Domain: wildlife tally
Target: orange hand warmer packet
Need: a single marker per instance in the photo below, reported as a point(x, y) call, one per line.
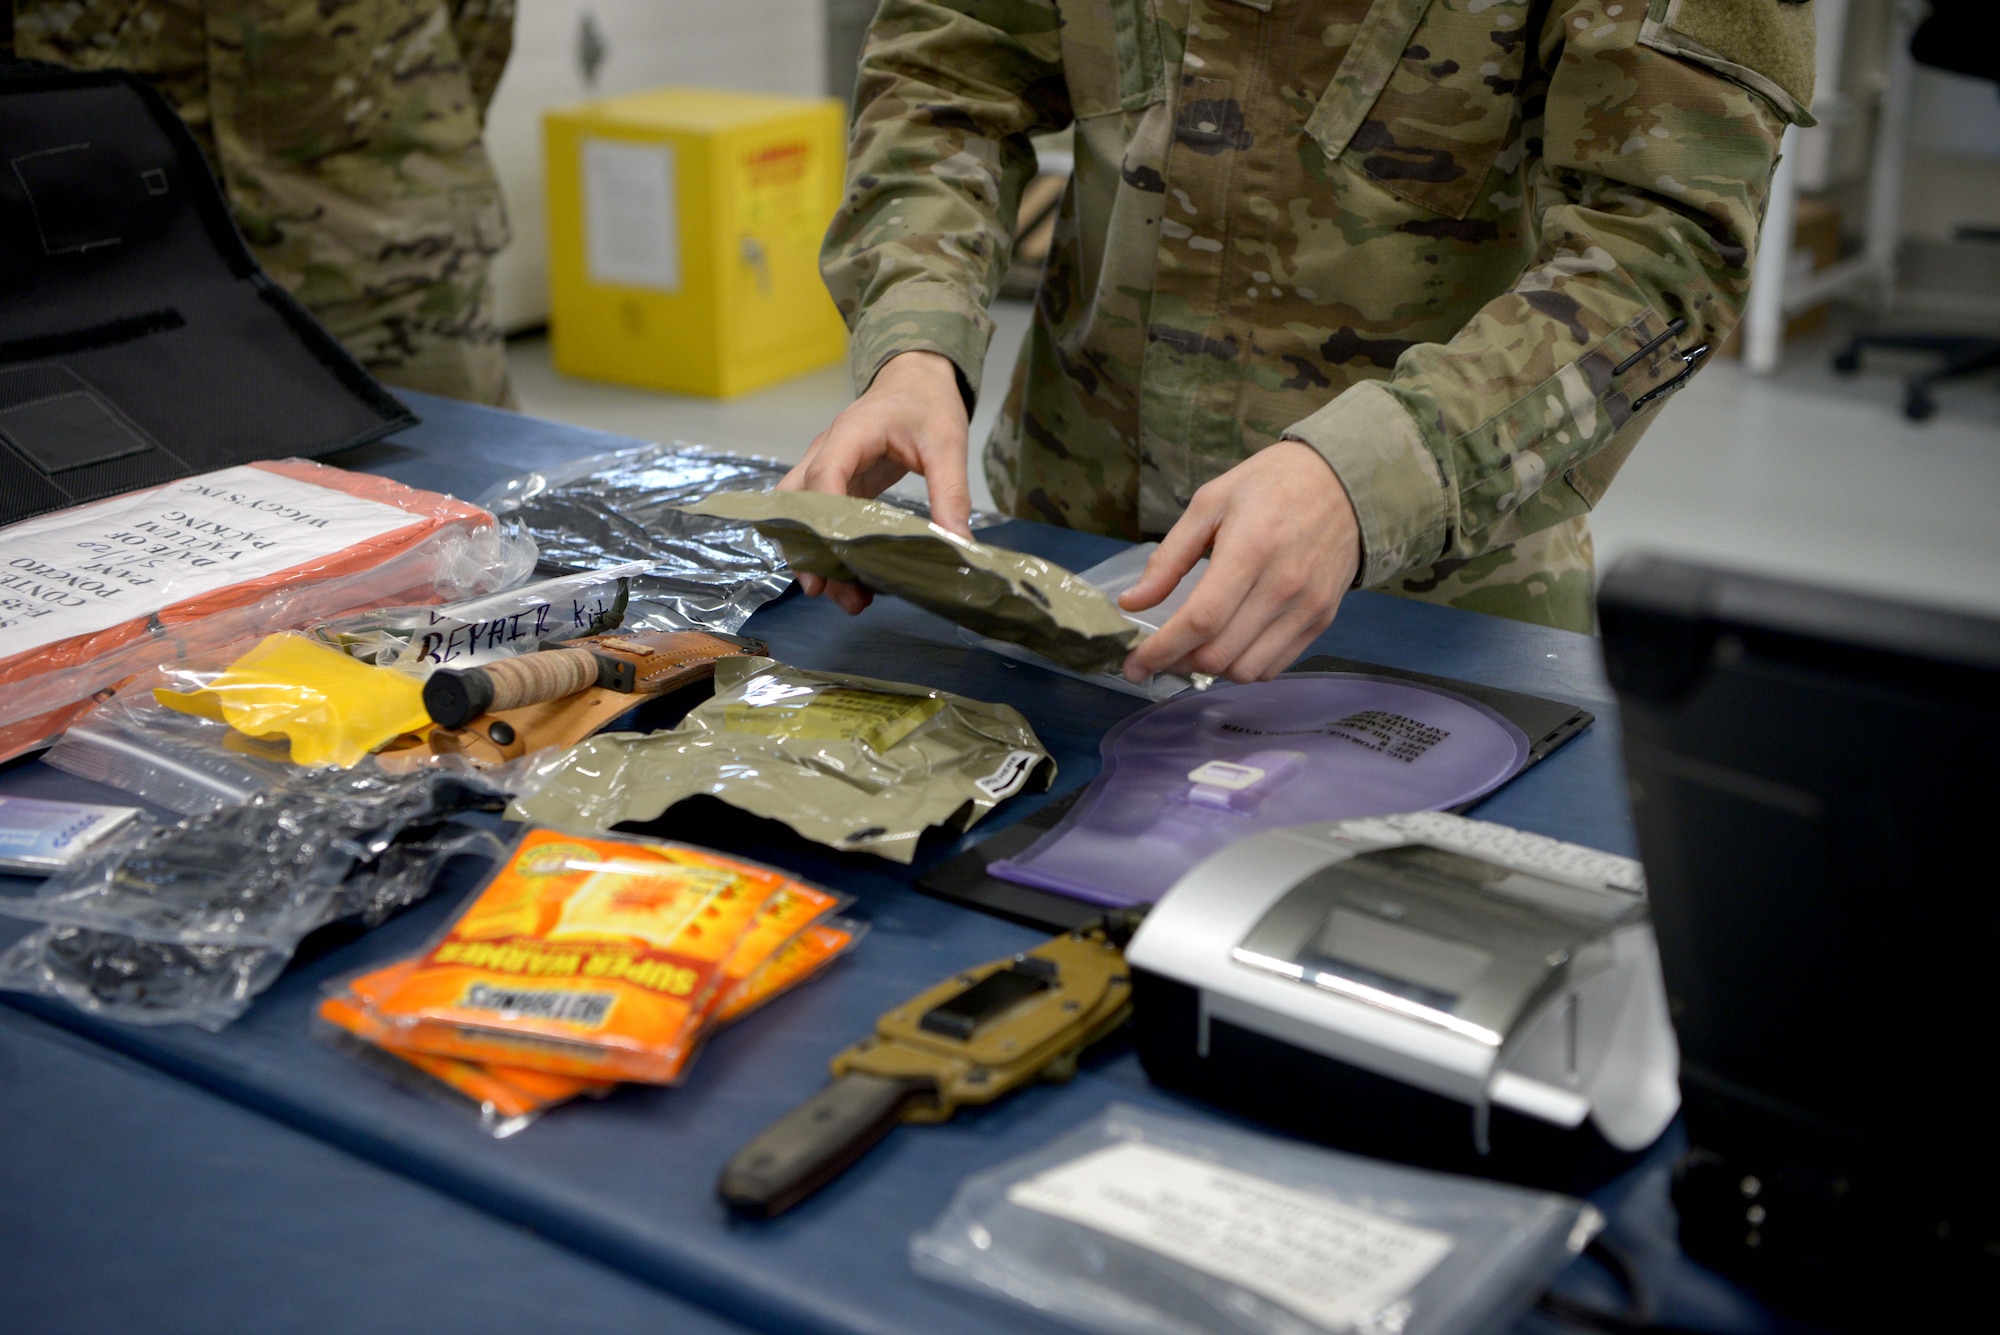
point(802, 957)
point(595, 957)
point(508, 1097)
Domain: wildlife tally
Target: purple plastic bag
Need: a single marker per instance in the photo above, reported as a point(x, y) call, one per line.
point(1191, 775)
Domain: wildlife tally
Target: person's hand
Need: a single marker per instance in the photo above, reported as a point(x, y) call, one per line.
point(1283, 547)
point(911, 420)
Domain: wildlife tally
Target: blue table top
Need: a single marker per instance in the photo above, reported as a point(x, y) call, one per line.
point(629, 1182)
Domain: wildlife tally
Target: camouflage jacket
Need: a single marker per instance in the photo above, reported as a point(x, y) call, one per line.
point(1450, 244)
point(347, 136)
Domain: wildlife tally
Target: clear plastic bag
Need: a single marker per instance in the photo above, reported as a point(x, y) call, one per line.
point(136, 981)
point(139, 982)
point(700, 574)
point(101, 592)
point(182, 762)
point(266, 872)
point(480, 630)
point(1197, 1227)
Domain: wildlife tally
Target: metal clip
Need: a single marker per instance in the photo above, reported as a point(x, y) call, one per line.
point(1693, 359)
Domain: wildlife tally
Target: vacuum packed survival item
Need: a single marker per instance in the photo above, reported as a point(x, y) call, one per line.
point(96, 594)
point(556, 698)
point(599, 958)
point(1136, 1222)
point(850, 762)
point(39, 837)
point(139, 340)
point(186, 923)
point(978, 1035)
point(1191, 775)
point(998, 593)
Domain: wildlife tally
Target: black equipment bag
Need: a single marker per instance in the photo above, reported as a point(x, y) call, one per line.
point(139, 341)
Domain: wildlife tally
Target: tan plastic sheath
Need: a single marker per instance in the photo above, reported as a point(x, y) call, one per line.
point(531, 678)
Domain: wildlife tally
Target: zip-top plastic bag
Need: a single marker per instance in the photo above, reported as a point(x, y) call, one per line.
point(1141, 1224)
point(850, 762)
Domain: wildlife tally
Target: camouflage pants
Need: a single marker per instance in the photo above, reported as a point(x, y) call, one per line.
point(347, 137)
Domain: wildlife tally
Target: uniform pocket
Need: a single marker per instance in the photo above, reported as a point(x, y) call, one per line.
point(1426, 97)
point(1112, 55)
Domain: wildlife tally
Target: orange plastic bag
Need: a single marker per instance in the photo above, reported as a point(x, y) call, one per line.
point(93, 595)
point(596, 957)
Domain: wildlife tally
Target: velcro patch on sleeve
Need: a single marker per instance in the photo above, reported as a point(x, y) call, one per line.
point(1765, 45)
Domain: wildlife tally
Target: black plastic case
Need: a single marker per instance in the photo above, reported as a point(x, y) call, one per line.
point(139, 341)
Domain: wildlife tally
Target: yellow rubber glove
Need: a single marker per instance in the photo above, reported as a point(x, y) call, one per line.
point(333, 709)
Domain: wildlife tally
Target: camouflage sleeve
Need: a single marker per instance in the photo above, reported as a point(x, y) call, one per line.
point(1647, 173)
point(949, 92)
point(485, 33)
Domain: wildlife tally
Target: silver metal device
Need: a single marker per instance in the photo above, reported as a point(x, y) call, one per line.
point(1466, 960)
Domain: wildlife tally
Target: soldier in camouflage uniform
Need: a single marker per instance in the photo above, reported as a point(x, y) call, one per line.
point(1453, 249)
point(346, 134)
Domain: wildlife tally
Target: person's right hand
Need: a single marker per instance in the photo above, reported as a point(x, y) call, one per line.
point(911, 420)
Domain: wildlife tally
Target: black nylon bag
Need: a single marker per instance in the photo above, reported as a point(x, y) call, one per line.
point(139, 341)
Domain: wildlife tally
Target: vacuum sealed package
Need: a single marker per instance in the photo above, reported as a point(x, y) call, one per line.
point(329, 708)
point(480, 630)
point(1113, 577)
point(1002, 594)
point(1187, 777)
point(697, 573)
point(1137, 1222)
point(187, 923)
point(98, 593)
point(39, 837)
point(596, 957)
point(850, 762)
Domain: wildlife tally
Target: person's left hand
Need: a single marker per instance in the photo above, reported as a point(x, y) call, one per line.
point(1283, 547)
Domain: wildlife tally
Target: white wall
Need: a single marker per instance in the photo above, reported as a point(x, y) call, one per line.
point(1953, 177)
point(775, 46)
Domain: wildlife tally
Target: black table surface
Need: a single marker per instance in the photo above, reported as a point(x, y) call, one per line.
point(170, 1179)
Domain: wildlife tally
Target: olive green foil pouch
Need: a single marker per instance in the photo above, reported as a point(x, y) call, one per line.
point(999, 593)
point(850, 762)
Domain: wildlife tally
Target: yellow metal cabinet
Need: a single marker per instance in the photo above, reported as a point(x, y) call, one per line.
point(684, 231)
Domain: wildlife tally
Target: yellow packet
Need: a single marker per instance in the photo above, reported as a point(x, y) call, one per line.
point(584, 956)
